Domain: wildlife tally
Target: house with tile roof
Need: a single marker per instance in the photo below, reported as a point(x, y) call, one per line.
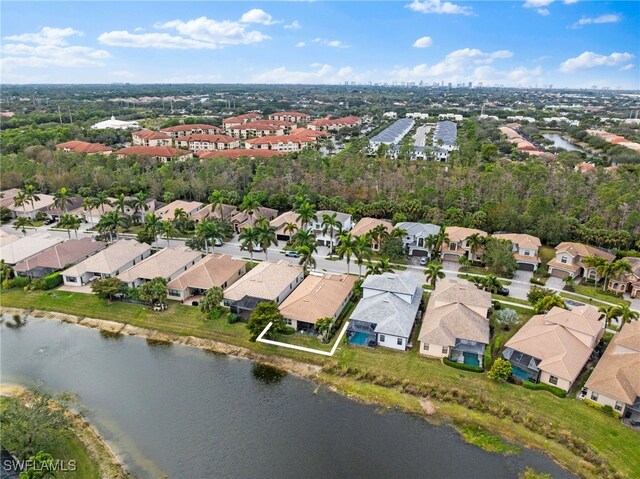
point(281, 222)
point(458, 244)
point(387, 312)
point(324, 239)
point(166, 264)
point(242, 218)
point(77, 146)
point(525, 249)
point(219, 270)
point(160, 153)
point(568, 260)
point(334, 124)
point(240, 119)
point(553, 348)
point(615, 381)
point(267, 281)
point(109, 262)
point(168, 211)
point(151, 138)
point(628, 282)
point(318, 296)
point(201, 142)
point(455, 323)
point(366, 225)
point(214, 212)
point(13, 252)
point(29, 209)
point(179, 131)
point(291, 116)
point(260, 128)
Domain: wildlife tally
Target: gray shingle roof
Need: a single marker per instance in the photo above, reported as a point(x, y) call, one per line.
point(391, 282)
point(418, 229)
point(395, 132)
point(389, 313)
point(447, 131)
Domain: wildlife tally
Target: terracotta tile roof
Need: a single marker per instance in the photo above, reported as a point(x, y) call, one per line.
point(77, 146)
point(365, 225)
point(168, 210)
point(459, 233)
point(328, 122)
point(208, 211)
point(318, 297)
point(264, 125)
point(617, 374)
point(284, 218)
point(239, 152)
point(195, 126)
point(164, 264)
point(583, 250)
point(110, 259)
point(289, 113)
point(159, 151)
point(151, 135)
point(22, 248)
point(522, 240)
point(62, 254)
point(212, 270)
point(310, 134)
point(203, 137)
point(266, 281)
point(241, 118)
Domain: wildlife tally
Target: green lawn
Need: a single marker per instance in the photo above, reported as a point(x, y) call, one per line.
point(596, 293)
point(497, 297)
point(546, 254)
point(466, 270)
point(611, 440)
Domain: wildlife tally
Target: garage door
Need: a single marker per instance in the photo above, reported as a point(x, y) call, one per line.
point(558, 273)
point(525, 267)
point(450, 257)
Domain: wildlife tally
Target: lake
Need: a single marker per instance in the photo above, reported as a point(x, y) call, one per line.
point(181, 412)
point(560, 142)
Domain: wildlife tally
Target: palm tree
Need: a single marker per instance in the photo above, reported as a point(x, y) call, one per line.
point(331, 224)
point(442, 237)
point(169, 231)
point(87, 205)
point(626, 314)
point(306, 212)
point(250, 204)
point(266, 235)
point(210, 232)
point(30, 195)
point(289, 229)
point(102, 200)
point(362, 251)
point(61, 199)
point(6, 271)
point(248, 240)
point(382, 266)
point(615, 269)
point(475, 242)
point(608, 313)
point(544, 305)
point(21, 223)
point(139, 204)
point(379, 233)
point(110, 223)
point(346, 248)
point(121, 203)
point(70, 222)
point(323, 326)
point(433, 272)
point(216, 199)
point(152, 225)
point(306, 257)
point(596, 263)
point(20, 200)
point(491, 283)
point(302, 238)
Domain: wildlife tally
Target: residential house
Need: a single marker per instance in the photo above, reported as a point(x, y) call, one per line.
point(109, 262)
point(7, 197)
point(568, 260)
point(267, 281)
point(335, 124)
point(6, 238)
point(160, 153)
point(202, 142)
point(324, 239)
point(151, 138)
point(458, 245)
point(318, 296)
point(242, 218)
point(553, 348)
point(73, 206)
point(366, 225)
point(281, 222)
point(455, 323)
point(93, 215)
point(260, 128)
point(179, 131)
point(387, 311)
point(29, 209)
point(14, 252)
point(213, 212)
point(445, 135)
point(519, 142)
point(57, 257)
point(166, 264)
point(296, 141)
point(628, 282)
point(615, 381)
point(291, 116)
point(77, 146)
point(525, 249)
point(168, 211)
point(236, 153)
point(415, 241)
point(240, 120)
point(216, 269)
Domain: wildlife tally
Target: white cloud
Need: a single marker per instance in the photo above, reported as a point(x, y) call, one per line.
point(588, 60)
point(257, 15)
point(423, 42)
point(199, 33)
point(543, 11)
point(628, 67)
point(570, 2)
point(437, 6)
point(49, 47)
point(295, 25)
point(539, 6)
point(318, 74)
point(330, 43)
point(301, 44)
point(606, 18)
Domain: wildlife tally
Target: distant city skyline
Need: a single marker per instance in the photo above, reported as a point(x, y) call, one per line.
point(564, 43)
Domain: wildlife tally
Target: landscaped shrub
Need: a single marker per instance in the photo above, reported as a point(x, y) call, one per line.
point(51, 281)
point(288, 330)
point(232, 318)
point(605, 409)
point(19, 282)
point(608, 409)
point(536, 281)
point(464, 367)
point(507, 317)
point(545, 387)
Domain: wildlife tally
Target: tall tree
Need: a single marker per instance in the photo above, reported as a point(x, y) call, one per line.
point(61, 199)
point(153, 226)
point(306, 257)
point(625, 314)
point(21, 224)
point(70, 222)
point(331, 224)
point(169, 231)
point(110, 223)
point(216, 200)
point(210, 232)
point(433, 272)
point(306, 213)
point(266, 235)
point(347, 248)
point(30, 196)
point(88, 204)
point(250, 205)
point(102, 200)
point(139, 204)
point(362, 251)
point(249, 240)
point(475, 242)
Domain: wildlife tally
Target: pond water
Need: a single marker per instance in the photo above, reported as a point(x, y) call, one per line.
point(560, 142)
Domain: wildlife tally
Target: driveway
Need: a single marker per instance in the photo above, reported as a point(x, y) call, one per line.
point(555, 283)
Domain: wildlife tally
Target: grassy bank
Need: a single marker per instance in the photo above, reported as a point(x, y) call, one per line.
point(392, 378)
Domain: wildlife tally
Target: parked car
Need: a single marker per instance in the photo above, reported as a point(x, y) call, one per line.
point(218, 242)
point(423, 261)
point(292, 254)
point(503, 291)
point(49, 221)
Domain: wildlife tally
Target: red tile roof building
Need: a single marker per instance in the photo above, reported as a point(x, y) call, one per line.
point(240, 119)
point(256, 129)
point(328, 124)
point(162, 153)
point(77, 146)
point(150, 138)
point(193, 129)
point(292, 116)
point(208, 142)
point(297, 140)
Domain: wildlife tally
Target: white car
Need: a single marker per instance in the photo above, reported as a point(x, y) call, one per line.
point(423, 261)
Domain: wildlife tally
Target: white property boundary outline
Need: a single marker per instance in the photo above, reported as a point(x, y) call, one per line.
point(302, 348)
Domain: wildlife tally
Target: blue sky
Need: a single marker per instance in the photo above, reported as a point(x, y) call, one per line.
point(567, 43)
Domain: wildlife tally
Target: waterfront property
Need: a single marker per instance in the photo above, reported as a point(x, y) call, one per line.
point(615, 381)
point(57, 257)
point(318, 296)
point(455, 323)
point(106, 263)
point(553, 348)
point(568, 260)
point(367, 225)
point(216, 269)
point(525, 249)
point(458, 244)
point(166, 264)
point(267, 281)
point(387, 311)
point(415, 241)
point(14, 252)
point(628, 282)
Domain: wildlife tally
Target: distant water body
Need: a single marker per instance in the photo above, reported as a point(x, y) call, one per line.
point(184, 413)
point(560, 142)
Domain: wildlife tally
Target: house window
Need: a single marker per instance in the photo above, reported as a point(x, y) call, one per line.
point(553, 380)
point(399, 341)
point(425, 346)
point(527, 252)
point(288, 321)
point(618, 406)
point(594, 396)
point(563, 259)
point(382, 338)
point(174, 292)
point(445, 350)
point(71, 279)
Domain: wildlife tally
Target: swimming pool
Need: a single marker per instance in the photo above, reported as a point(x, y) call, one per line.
point(360, 339)
point(471, 359)
point(521, 373)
